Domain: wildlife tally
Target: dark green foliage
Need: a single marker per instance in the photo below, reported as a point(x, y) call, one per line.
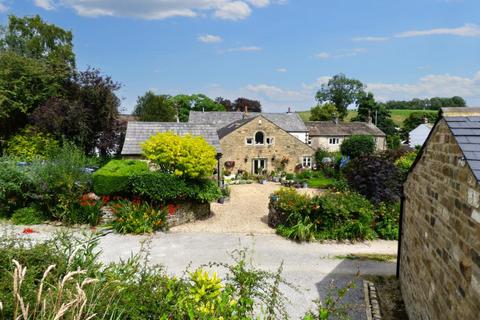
point(26, 216)
point(387, 220)
point(196, 102)
point(357, 145)
point(114, 177)
point(429, 104)
point(339, 216)
point(369, 108)
point(166, 188)
point(377, 179)
point(341, 91)
point(152, 107)
point(15, 186)
point(323, 112)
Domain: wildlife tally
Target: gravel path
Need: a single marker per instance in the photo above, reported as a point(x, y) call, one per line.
point(245, 212)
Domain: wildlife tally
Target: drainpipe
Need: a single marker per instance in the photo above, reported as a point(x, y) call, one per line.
point(400, 232)
point(219, 181)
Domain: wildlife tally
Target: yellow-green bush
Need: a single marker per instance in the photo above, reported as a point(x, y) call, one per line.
point(29, 144)
point(188, 156)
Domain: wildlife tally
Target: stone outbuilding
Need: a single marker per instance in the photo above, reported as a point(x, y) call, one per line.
point(439, 247)
point(329, 135)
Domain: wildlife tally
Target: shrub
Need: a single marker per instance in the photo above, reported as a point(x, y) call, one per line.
point(190, 157)
point(29, 144)
point(358, 145)
point(165, 188)
point(15, 186)
point(113, 178)
point(375, 178)
point(27, 216)
point(405, 162)
point(138, 217)
point(340, 215)
point(60, 182)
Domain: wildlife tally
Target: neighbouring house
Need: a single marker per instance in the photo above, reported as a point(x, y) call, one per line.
point(329, 135)
point(439, 247)
point(417, 136)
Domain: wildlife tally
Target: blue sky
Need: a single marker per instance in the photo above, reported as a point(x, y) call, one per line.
point(276, 51)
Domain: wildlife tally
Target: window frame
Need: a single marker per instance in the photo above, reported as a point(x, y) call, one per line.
point(306, 161)
point(335, 140)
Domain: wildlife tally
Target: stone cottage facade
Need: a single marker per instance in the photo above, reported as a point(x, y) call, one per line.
point(329, 135)
point(257, 145)
point(439, 254)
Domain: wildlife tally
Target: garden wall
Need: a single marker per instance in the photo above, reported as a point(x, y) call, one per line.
point(187, 212)
point(440, 257)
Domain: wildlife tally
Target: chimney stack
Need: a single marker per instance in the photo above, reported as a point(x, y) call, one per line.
point(289, 110)
point(368, 120)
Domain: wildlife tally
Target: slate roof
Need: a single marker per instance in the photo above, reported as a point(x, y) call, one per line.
point(332, 129)
point(465, 126)
point(138, 132)
point(222, 132)
point(290, 122)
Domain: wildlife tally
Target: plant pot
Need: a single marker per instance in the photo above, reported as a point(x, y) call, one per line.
point(221, 200)
point(305, 185)
point(263, 181)
point(274, 197)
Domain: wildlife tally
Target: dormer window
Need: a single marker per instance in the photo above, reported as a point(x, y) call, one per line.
point(259, 138)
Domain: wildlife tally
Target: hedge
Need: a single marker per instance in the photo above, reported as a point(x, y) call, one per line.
point(165, 188)
point(113, 178)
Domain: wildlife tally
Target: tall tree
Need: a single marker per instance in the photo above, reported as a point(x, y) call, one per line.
point(323, 112)
point(34, 38)
point(226, 103)
point(341, 91)
point(152, 107)
point(242, 104)
point(195, 102)
point(368, 107)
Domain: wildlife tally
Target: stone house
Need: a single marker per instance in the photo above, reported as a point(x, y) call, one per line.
point(439, 247)
point(329, 135)
point(258, 145)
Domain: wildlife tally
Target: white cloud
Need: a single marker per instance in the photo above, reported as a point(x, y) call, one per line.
point(159, 9)
point(282, 70)
point(45, 4)
point(3, 7)
point(370, 39)
point(323, 55)
point(259, 3)
point(468, 30)
point(276, 93)
point(344, 54)
point(243, 49)
point(235, 10)
point(209, 38)
point(434, 85)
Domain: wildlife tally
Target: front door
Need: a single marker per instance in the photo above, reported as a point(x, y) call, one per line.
point(259, 166)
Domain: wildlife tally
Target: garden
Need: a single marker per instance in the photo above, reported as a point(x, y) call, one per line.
point(361, 201)
point(131, 196)
point(63, 278)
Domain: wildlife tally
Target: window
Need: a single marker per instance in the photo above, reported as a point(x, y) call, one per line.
point(269, 140)
point(308, 139)
point(249, 140)
point(334, 140)
point(259, 138)
point(307, 162)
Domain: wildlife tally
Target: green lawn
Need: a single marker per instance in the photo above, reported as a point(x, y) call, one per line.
point(398, 116)
point(320, 182)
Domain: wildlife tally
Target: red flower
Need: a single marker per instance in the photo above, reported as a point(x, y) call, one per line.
point(28, 231)
point(172, 208)
point(136, 201)
point(106, 199)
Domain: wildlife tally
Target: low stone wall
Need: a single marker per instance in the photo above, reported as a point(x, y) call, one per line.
point(187, 212)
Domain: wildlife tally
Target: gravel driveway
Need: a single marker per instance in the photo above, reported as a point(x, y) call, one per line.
point(245, 212)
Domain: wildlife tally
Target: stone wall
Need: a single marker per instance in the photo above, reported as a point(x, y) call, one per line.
point(187, 212)
point(235, 148)
point(440, 258)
